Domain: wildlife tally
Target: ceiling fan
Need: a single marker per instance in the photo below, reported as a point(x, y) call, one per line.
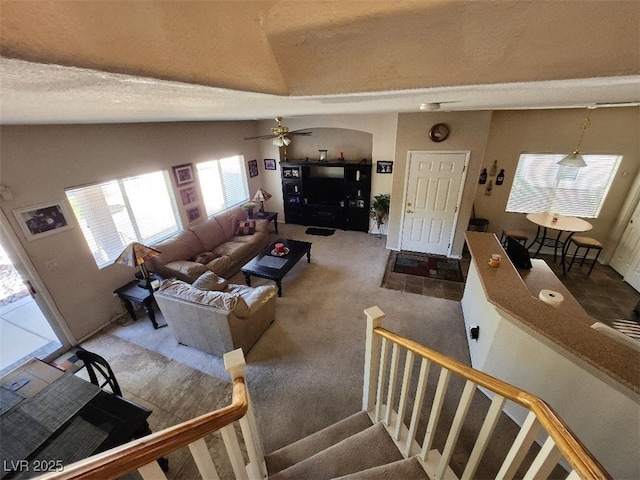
point(280, 134)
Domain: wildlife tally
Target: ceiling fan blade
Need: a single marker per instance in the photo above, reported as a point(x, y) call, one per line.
point(299, 132)
point(264, 137)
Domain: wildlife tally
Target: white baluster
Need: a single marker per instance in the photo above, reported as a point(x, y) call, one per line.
point(233, 450)
point(371, 357)
point(391, 392)
point(152, 471)
point(417, 405)
point(546, 460)
point(202, 457)
point(434, 416)
point(382, 371)
point(526, 436)
point(404, 394)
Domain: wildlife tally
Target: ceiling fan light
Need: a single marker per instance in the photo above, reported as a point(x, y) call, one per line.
point(278, 142)
point(286, 141)
point(573, 160)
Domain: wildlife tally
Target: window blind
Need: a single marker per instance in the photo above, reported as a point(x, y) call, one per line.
point(115, 213)
point(541, 185)
point(223, 183)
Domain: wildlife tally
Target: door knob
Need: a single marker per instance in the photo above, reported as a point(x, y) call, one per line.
point(409, 210)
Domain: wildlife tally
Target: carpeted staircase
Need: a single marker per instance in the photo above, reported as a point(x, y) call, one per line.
point(352, 448)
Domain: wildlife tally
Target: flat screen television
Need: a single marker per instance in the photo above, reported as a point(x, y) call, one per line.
point(518, 254)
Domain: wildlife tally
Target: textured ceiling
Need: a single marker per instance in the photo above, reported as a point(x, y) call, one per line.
point(86, 61)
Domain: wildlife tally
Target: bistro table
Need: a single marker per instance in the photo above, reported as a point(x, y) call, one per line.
point(560, 223)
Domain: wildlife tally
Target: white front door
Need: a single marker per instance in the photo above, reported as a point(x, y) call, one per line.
point(434, 189)
point(627, 252)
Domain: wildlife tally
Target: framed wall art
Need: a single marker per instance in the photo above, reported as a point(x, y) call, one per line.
point(269, 164)
point(42, 220)
point(253, 168)
point(183, 174)
point(193, 214)
point(384, 167)
point(188, 195)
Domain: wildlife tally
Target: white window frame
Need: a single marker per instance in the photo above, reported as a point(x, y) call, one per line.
point(541, 185)
point(223, 183)
point(145, 215)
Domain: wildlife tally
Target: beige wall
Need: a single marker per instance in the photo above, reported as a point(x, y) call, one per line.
point(612, 130)
point(39, 162)
point(468, 132)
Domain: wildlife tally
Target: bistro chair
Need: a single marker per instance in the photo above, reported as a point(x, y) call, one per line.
point(97, 365)
point(518, 235)
point(589, 244)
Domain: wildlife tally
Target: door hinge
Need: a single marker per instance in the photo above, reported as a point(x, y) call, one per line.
point(32, 291)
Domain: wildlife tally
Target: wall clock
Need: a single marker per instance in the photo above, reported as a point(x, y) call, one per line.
point(439, 132)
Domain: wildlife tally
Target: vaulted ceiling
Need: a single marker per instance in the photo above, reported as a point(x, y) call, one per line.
point(122, 60)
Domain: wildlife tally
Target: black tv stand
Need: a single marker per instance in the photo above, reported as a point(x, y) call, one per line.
point(327, 194)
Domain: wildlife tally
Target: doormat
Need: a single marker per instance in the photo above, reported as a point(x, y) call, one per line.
point(422, 265)
point(628, 327)
point(323, 232)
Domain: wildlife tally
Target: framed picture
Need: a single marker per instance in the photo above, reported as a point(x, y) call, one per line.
point(253, 168)
point(188, 195)
point(193, 214)
point(43, 220)
point(183, 174)
point(384, 167)
point(269, 164)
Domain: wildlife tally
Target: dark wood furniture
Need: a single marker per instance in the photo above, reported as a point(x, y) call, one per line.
point(131, 292)
point(273, 267)
point(269, 217)
point(56, 418)
point(327, 194)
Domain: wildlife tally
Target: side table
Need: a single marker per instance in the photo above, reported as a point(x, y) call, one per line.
point(131, 292)
point(269, 217)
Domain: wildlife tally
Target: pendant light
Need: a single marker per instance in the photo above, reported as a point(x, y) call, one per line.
point(575, 159)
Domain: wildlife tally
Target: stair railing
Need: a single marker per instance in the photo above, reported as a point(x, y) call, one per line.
point(559, 445)
point(142, 454)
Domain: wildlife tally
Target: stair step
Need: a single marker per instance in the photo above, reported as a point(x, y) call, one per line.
point(402, 470)
point(316, 442)
point(364, 450)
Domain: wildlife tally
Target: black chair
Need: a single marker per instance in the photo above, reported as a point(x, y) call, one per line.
point(95, 363)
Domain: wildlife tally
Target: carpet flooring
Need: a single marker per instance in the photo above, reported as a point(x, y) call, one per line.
point(306, 371)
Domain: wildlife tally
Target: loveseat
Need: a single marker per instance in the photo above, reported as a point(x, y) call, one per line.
point(214, 316)
point(221, 244)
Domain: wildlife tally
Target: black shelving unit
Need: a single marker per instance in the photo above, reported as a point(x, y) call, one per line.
point(327, 194)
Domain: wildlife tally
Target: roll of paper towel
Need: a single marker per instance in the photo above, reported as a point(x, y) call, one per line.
point(552, 298)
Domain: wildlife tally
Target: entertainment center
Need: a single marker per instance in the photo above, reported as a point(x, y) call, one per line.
point(327, 194)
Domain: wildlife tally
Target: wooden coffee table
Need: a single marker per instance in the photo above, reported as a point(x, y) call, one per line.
point(273, 267)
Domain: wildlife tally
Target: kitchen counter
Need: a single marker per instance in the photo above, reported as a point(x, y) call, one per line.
point(590, 379)
point(567, 327)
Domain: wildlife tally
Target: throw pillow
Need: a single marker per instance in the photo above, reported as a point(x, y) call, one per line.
point(246, 228)
point(211, 282)
point(205, 257)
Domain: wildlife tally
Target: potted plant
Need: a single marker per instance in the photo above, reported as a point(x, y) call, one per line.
point(380, 208)
point(248, 207)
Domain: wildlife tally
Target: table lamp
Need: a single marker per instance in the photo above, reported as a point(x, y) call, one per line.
point(135, 255)
point(261, 196)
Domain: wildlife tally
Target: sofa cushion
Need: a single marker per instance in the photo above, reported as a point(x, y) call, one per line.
point(209, 233)
point(229, 220)
point(205, 257)
point(220, 264)
point(236, 250)
point(211, 282)
point(246, 228)
point(187, 268)
point(221, 300)
point(183, 246)
point(253, 297)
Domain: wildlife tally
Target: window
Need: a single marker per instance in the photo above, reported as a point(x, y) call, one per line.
point(115, 213)
point(223, 183)
point(541, 185)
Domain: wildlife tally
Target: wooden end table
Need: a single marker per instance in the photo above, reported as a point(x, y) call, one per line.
point(273, 267)
point(131, 292)
point(269, 217)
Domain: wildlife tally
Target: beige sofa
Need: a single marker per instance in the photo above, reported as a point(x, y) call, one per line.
point(216, 321)
point(216, 244)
